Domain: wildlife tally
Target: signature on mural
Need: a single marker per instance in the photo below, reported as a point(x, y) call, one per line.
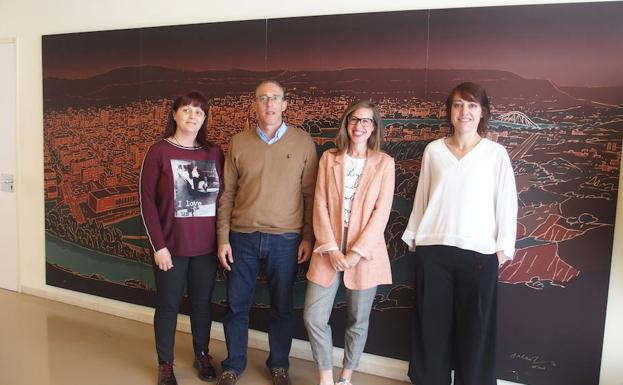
point(534, 360)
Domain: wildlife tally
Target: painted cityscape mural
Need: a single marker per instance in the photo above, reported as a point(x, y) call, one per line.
point(553, 73)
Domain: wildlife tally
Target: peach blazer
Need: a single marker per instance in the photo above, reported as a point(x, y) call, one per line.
point(370, 211)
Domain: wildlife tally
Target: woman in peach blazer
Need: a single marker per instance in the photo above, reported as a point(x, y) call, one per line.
point(352, 203)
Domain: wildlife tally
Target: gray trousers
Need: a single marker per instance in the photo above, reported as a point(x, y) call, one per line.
point(318, 305)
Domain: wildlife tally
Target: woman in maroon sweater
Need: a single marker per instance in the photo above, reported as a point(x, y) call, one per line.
point(180, 184)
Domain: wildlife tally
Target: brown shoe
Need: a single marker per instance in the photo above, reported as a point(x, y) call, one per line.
point(165, 374)
point(205, 369)
point(227, 378)
point(280, 376)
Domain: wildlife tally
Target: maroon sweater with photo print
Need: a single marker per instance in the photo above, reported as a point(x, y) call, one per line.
point(179, 190)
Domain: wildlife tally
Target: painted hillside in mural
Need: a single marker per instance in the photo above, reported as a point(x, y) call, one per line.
point(553, 75)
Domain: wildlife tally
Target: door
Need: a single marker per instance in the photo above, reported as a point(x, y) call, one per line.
point(8, 203)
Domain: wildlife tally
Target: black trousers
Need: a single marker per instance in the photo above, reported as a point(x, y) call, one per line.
point(197, 275)
point(455, 317)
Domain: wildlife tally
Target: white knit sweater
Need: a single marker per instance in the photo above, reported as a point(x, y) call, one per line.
point(469, 203)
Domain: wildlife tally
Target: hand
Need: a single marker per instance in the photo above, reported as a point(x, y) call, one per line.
point(352, 259)
point(337, 260)
point(225, 256)
point(501, 257)
point(162, 258)
point(305, 251)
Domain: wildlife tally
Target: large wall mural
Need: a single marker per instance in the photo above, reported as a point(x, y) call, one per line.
point(552, 72)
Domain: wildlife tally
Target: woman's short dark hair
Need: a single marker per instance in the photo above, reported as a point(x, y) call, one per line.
point(473, 93)
point(375, 141)
point(191, 98)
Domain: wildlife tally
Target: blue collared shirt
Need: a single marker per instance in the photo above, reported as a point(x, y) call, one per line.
point(278, 134)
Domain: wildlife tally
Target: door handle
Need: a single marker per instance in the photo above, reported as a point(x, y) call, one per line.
point(6, 182)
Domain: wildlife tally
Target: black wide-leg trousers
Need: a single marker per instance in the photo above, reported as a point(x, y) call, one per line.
point(455, 317)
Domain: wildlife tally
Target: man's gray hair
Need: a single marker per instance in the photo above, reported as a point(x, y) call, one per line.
point(270, 81)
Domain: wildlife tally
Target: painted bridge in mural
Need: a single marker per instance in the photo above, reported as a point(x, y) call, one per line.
point(519, 118)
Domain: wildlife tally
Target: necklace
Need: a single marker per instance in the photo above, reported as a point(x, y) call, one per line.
point(354, 155)
point(179, 144)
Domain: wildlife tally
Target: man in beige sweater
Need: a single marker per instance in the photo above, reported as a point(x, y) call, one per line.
point(265, 217)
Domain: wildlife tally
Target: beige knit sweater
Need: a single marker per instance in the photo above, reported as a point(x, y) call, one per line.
point(268, 187)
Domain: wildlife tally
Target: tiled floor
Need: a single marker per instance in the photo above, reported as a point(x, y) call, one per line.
point(46, 342)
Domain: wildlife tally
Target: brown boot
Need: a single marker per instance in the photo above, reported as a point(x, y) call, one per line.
point(280, 376)
point(165, 374)
point(205, 369)
point(227, 378)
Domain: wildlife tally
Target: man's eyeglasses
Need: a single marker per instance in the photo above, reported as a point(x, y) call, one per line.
point(264, 99)
point(365, 122)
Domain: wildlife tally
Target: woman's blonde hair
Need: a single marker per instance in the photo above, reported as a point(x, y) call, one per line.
point(375, 141)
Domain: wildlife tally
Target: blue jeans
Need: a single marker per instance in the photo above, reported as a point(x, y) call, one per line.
point(279, 254)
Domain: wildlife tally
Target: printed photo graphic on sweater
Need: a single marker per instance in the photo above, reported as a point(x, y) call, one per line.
point(196, 186)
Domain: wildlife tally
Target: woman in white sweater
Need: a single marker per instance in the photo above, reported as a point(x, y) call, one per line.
point(463, 224)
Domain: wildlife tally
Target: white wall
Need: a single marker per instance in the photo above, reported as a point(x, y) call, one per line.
point(8, 202)
point(27, 20)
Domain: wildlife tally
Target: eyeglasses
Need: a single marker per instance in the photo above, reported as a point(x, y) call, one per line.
point(365, 122)
point(190, 111)
point(264, 99)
